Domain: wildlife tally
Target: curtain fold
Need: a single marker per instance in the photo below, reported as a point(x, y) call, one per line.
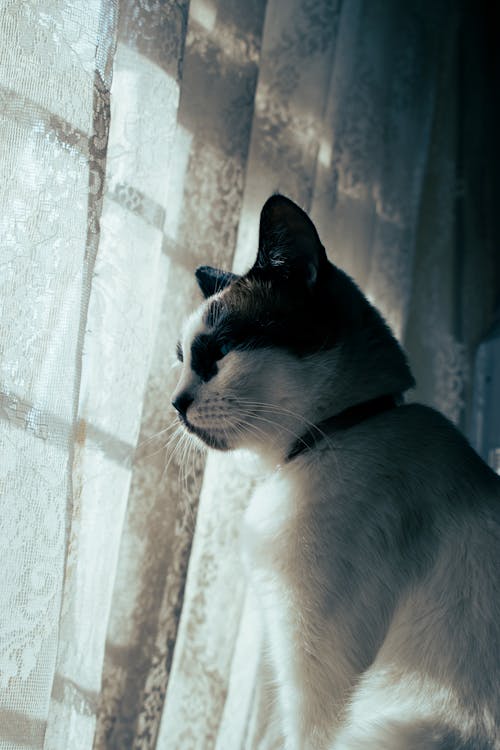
point(134, 287)
point(139, 139)
point(81, 630)
point(54, 86)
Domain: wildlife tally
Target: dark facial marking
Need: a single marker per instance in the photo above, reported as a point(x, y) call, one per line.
point(205, 353)
point(178, 351)
point(259, 312)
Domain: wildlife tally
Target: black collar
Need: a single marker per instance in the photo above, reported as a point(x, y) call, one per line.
point(341, 421)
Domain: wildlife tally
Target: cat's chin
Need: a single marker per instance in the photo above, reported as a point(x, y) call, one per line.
point(217, 442)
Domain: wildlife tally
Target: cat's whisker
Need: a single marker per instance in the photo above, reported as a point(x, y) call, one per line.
point(246, 427)
point(163, 447)
point(279, 409)
point(274, 423)
point(179, 437)
point(276, 408)
point(175, 438)
point(279, 427)
point(147, 440)
point(246, 416)
point(312, 428)
point(307, 423)
point(184, 465)
point(188, 470)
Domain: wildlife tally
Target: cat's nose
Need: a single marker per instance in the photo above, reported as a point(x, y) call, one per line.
point(182, 402)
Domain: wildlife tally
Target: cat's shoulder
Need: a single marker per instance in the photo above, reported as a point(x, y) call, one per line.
point(411, 452)
point(414, 435)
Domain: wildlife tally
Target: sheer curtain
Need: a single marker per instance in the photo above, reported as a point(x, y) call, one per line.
point(139, 139)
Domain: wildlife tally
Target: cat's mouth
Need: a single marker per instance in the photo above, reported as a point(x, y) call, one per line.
point(214, 439)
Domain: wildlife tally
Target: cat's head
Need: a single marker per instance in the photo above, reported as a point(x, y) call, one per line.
point(290, 343)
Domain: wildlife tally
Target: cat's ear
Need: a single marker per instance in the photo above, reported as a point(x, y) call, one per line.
point(288, 241)
point(213, 280)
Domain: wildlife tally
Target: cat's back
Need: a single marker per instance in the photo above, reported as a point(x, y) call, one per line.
point(441, 652)
point(416, 444)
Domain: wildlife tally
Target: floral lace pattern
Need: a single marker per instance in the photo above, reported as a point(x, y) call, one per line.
point(210, 153)
point(51, 154)
point(140, 140)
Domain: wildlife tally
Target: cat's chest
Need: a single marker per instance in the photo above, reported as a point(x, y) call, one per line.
point(272, 523)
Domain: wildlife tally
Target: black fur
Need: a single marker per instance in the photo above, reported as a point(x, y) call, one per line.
point(213, 280)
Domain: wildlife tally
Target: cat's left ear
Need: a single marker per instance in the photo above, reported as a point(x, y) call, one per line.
point(213, 280)
point(288, 242)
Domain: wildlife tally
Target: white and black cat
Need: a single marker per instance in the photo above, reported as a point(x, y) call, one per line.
point(374, 543)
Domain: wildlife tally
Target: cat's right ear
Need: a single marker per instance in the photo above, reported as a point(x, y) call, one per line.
point(213, 280)
point(289, 245)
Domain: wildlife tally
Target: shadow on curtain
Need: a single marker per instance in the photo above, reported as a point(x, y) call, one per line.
point(139, 140)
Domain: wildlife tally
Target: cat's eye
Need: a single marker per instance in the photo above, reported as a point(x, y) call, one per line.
point(178, 351)
point(224, 348)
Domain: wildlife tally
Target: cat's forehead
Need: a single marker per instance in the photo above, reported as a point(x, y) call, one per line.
point(206, 316)
point(254, 313)
point(196, 323)
point(246, 300)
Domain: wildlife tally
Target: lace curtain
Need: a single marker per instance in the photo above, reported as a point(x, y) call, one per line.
point(139, 139)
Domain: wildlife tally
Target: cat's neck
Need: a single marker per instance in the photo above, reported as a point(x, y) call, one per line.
point(342, 421)
point(338, 389)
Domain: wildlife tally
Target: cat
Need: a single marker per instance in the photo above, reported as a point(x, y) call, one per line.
point(373, 545)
